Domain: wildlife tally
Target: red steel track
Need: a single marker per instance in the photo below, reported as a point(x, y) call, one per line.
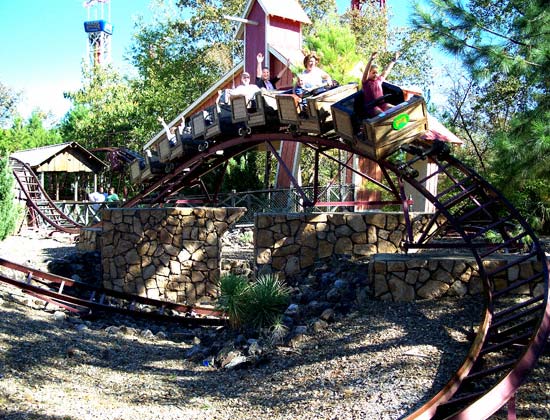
point(88, 300)
point(39, 204)
point(516, 316)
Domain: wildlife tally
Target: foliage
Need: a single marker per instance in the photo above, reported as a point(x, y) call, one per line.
point(257, 305)
point(242, 173)
point(268, 297)
point(8, 103)
point(104, 112)
point(336, 46)
point(317, 11)
point(373, 33)
point(233, 296)
point(28, 134)
point(505, 47)
point(8, 210)
point(181, 54)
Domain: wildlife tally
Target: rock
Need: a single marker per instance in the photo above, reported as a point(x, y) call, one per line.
point(320, 325)
point(197, 352)
point(297, 340)
point(112, 330)
point(327, 315)
point(254, 349)
point(81, 327)
point(59, 316)
point(293, 310)
point(147, 334)
point(236, 362)
point(300, 329)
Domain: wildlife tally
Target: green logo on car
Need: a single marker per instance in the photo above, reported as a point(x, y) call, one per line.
point(400, 121)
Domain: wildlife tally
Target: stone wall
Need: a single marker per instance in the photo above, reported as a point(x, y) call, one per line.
point(288, 243)
point(165, 253)
point(428, 276)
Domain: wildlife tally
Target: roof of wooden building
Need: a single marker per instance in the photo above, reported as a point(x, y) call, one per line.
point(63, 157)
point(288, 9)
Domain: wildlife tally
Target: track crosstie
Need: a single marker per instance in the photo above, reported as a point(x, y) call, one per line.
point(471, 216)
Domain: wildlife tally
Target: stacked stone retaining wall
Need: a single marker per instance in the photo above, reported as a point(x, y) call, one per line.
point(288, 243)
point(165, 253)
point(428, 276)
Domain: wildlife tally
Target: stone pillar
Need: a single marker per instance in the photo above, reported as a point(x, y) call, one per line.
point(170, 254)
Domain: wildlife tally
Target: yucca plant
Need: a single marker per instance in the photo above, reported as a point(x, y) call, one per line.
point(267, 299)
point(233, 297)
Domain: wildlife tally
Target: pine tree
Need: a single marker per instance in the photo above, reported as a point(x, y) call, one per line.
point(8, 210)
point(507, 41)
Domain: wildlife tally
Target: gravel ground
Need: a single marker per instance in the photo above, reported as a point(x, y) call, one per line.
point(378, 362)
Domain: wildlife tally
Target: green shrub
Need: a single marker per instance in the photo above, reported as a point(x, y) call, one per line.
point(8, 210)
point(268, 297)
point(257, 305)
point(233, 290)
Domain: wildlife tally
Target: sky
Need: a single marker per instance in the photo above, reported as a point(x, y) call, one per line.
point(44, 43)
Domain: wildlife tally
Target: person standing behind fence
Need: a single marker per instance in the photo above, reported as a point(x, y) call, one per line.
point(97, 197)
point(113, 196)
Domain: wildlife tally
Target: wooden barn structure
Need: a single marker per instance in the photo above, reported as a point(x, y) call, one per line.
point(270, 27)
point(66, 171)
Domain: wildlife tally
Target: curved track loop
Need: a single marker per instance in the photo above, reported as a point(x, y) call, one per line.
point(38, 202)
point(516, 317)
point(189, 169)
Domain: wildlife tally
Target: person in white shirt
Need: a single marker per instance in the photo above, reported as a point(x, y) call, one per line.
point(314, 77)
point(246, 89)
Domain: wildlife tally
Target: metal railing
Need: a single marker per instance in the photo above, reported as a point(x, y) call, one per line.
point(261, 201)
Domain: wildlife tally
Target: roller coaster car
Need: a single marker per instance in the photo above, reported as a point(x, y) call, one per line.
point(179, 145)
point(380, 136)
point(318, 118)
point(263, 114)
point(143, 169)
point(205, 124)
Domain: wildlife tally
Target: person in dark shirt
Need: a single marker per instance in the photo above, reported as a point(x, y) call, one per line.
point(263, 75)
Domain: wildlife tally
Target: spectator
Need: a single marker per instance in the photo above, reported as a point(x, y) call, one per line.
point(372, 86)
point(113, 196)
point(97, 196)
point(263, 75)
point(313, 76)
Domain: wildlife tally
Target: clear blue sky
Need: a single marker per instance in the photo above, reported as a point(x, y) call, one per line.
point(44, 43)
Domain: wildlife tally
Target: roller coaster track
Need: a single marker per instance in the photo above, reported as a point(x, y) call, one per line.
point(39, 204)
point(88, 300)
point(516, 320)
point(516, 315)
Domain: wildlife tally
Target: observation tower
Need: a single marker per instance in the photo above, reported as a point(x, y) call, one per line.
point(356, 4)
point(99, 29)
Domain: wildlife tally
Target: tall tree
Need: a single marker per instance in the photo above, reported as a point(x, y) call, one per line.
point(8, 208)
point(371, 26)
point(28, 134)
point(182, 53)
point(505, 45)
point(8, 103)
point(104, 111)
